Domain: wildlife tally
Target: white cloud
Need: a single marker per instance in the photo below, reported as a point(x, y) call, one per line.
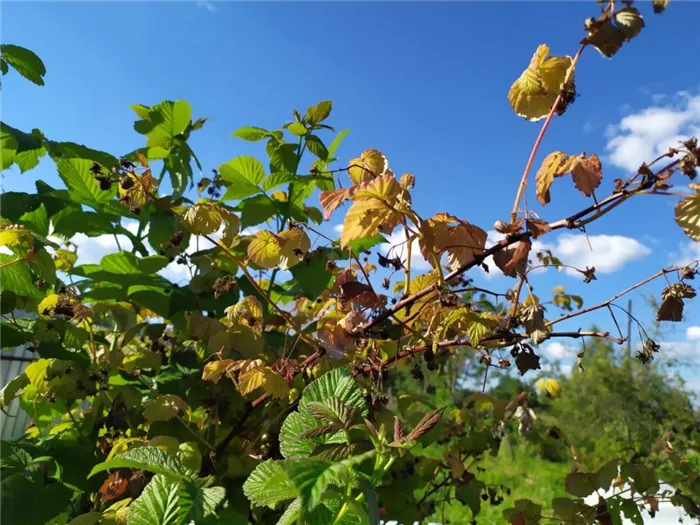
point(608, 253)
point(644, 135)
point(206, 5)
point(689, 252)
point(555, 350)
point(338, 228)
point(686, 352)
point(692, 333)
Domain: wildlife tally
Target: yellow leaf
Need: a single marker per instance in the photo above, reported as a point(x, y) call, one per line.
point(265, 249)
point(446, 233)
point(284, 250)
point(374, 210)
point(214, 370)
point(64, 260)
point(556, 164)
point(163, 408)
point(688, 216)
point(16, 236)
point(248, 311)
point(550, 387)
point(296, 244)
point(47, 306)
point(275, 385)
point(534, 92)
point(206, 217)
point(251, 380)
point(140, 188)
point(166, 443)
point(369, 165)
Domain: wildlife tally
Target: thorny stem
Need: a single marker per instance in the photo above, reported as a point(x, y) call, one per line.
point(538, 141)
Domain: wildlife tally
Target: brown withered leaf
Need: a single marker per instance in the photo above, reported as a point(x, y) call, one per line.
point(123, 483)
point(512, 260)
point(351, 290)
point(331, 199)
point(538, 227)
point(115, 487)
point(556, 164)
point(427, 422)
point(587, 174)
point(652, 502)
point(671, 309)
point(508, 227)
point(446, 233)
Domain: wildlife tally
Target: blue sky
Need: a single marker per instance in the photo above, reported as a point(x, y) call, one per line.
point(425, 83)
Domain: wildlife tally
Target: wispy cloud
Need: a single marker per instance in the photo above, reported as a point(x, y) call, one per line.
point(207, 5)
point(643, 135)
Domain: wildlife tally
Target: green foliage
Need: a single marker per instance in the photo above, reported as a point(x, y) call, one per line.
point(273, 383)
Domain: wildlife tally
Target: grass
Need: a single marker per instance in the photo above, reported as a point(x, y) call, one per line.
point(525, 474)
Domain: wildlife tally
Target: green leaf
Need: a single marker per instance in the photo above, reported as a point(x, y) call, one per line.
point(298, 129)
point(644, 477)
point(250, 133)
point(316, 146)
point(158, 504)
point(71, 150)
point(291, 444)
point(25, 502)
point(91, 518)
point(336, 383)
point(581, 484)
point(631, 511)
point(147, 458)
point(372, 501)
point(13, 335)
point(314, 214)
point(336, 142)
point(165, 122)
point(17, 147)
point(71, 221)
point(14, 204)
point(320, 111)
point(154, 298)
point(607, 473)
point(43, 266)
point(311, 278)
point(4, 68)
point(17, 278)
point(9, 391)
point(283, 157)
point(246, 166)
point(256, 210)
point(291, 514)
point(82, 186)
point(36, 220)
point(201, 502)
point(25, 62)
point(269, 484)
point(313, 477)
point(277, 179)
point(470, 494)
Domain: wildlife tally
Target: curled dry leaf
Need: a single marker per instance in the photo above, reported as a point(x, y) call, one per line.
point(587, 174)
point(538, 227)
point(446, 233)
point(533, 94)
point(512, 260)
point(556, 164)
point(605, 37)
point(629, 21)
